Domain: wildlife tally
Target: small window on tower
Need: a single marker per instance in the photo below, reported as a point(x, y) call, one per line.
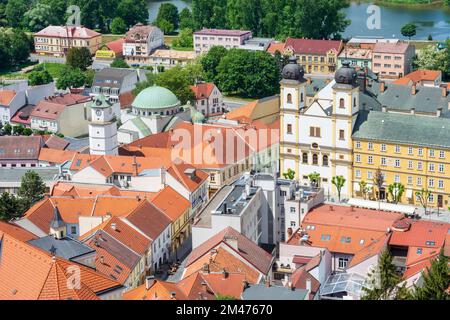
point(342, 103)
point(289, 98)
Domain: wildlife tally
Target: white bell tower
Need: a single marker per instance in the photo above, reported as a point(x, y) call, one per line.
point(102, 128)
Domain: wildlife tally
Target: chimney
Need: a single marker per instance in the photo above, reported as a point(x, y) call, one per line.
point(114, 226)
point(172, 295)
point(205, 268)
point(331, 208)
point(413, 89)
point(382, 86)
point(102, 260)
point(232, 242)
point(438, 112)
point(413, 110)
point(245, 284)
point(204, 286)
point(224, 273)
point(444, 91)
point(383, 109)
point(149, 281)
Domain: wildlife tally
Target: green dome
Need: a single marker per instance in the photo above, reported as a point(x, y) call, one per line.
point(155, 98)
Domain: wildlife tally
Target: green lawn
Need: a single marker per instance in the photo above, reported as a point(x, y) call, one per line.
point(111, 37)
point(54, 68)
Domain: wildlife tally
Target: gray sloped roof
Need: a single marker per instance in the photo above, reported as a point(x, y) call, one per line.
point(66, 248)
point(399, 97)
point(261, 292)
point(403, 128)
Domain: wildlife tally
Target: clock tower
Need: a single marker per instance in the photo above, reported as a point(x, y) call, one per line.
point(102, 128)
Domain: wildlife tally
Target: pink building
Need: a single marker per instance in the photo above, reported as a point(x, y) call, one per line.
point(207, 38)
point(393, 60)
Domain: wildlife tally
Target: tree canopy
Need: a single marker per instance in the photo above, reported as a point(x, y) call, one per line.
point(168, 13)
point(79, 58)
point(409, 30)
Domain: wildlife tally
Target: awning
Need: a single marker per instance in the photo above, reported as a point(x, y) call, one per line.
point(384, 206)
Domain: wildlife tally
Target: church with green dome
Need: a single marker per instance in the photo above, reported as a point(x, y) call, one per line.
point(154, 110)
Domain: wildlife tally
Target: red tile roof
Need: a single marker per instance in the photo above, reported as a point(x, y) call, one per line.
point(20, 147)
point(247, 249)
point(56, 156)
point(67, 32)
point(421, 234)
point(52, 107)
point(55, 142)
point(312, 46)
point(171, 203)
point(28, 273)
point(396, 48)
point(149, 219)
point(203, 90)
point(116, 45)
point(276, 46)
point(6, 97)
point(15, 231)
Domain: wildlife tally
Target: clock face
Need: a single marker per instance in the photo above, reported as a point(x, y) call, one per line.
point(98, 113)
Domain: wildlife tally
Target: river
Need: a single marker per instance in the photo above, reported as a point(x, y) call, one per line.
point(432, 21)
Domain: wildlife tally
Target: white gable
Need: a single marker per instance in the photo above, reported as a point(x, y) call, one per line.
point(315, 109)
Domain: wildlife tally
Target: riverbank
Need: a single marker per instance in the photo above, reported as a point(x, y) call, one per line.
point(409, 4)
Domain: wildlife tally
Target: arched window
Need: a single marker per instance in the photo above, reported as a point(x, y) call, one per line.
point(315, 159)
point(289, 98)
point(325, 161)
point(342, 103)
point(305, 158)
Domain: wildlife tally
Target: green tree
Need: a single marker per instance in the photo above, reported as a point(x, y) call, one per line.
point(225, 297)
point(15, 48)
point(382, 280)
point(133, 11)
point(396, 191)
point(184, 39)
point(424, 196)
point(289, 174)
point(71, 78)
point(119, 63)
point(99, 13)
point(365, 189)
point(211, 60)
point(79, 58)
point(436, 280)
point(168, 12)
point(144, 84)
point(178, 81)
point(166, 26)
point(10, 207)
point(409, 30)
point(59, 8)
point(39, 16)
point(32, 189)
point(314, 179)
point(7, 129)
point(432, 59)
point(186, 19)
point(14, 11)
point(37, 78)
point(118, 26)
point(18, 130)
point(338, 182)
point(248, 74)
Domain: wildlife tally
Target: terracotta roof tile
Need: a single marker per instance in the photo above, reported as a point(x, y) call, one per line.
point(6, 97)
point(312, 46)
point(171, 203)
point(203, 90)
point(56, 156)
point(65, 32)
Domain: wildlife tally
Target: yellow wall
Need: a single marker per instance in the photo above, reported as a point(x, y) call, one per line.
point(403, 170)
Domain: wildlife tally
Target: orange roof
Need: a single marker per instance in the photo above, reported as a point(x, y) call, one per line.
point(418, 76)
point(82, 190)
point(421, 233)
point(190, 182)
point(28, 273)
point(203, 90)
point(55, 155)
point(274, 46)
point(247, 253)
point(198, 286)
point(6, 97)
point(374, 248)
point(416, 268)
point(116, 45)
point(17, 232)
point(242, 112)
point(171, 203)
point(72, 208)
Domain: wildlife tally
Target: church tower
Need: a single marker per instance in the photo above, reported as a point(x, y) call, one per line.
point(292, 102)
point(345, 109)
point(102, 128)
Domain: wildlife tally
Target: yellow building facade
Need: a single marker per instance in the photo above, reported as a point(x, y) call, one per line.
point(415, 167)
